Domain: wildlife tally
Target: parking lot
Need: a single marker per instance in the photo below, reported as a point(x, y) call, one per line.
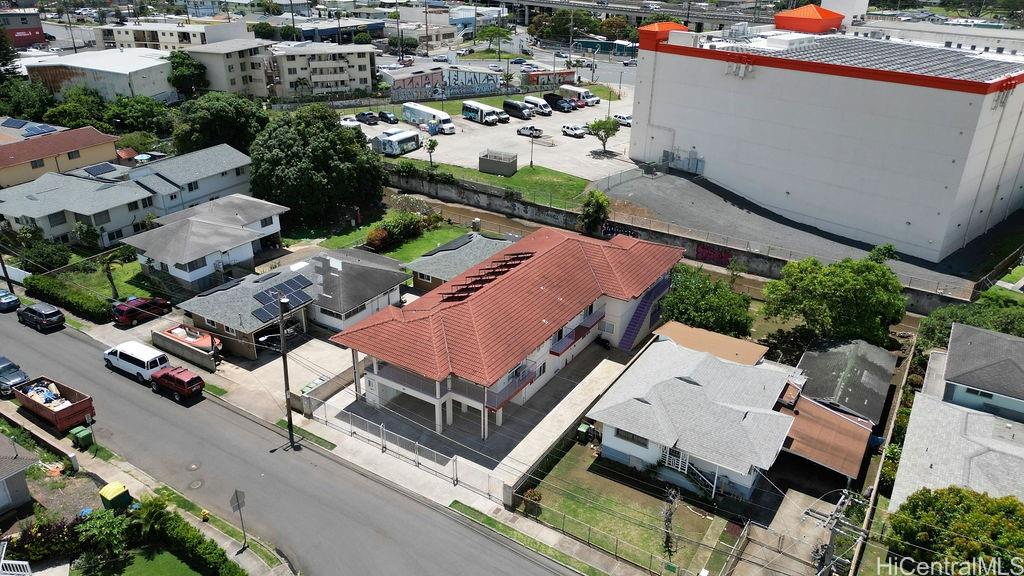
point(577, 156)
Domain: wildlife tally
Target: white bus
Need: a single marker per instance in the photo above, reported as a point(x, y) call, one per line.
point(396, 142)
point(477, 112)
point(577, 93)
point(417, 114)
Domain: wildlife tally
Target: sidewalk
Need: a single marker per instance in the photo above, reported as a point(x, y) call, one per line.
point(139, 483)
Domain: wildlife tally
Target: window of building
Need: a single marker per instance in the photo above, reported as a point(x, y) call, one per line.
point(542, 369)
point(38, 164)
point(362, 67)
point(354, 311)
point(363, 81)
point(164, 267)
point(361, 55)
point(147, 202)
point(57, 219)
point(228, 56)
point(239, 171)
point(979, 393)
point(101, 218)
point(241, 67)
point(63, 238)
point(138, 227)
point(331, 313)
point(229, 331)
point(133, 206)
point(231, 67)
point(193, 186)
point(292, 71)
point(232, 81)
point(174, 197)
point(74, 154)
point(607, 327)
point(24, 20)
point(245, 79)
point(290, 58)
point(268, 221)
point(193, 265)
point(111, 236)
point(631, 438)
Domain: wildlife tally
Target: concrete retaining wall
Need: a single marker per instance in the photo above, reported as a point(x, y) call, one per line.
point(493, 199)
point(17, 275)
point(201, 358)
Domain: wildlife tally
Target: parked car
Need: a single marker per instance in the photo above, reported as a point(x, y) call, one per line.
point(560, 104)
point(367, 117)
point(574, 130)
point(349, 122)
point(181, 382)
point(529, 68)
point(531, 131)
point(464, 52)
point(441, 58)
point(135, 359)
point(630, 62)
point(561, 55)
point(8, 301)
point(388, 117)
point(135, 309)
point(495, 67)
point(601, 2)
point(41, 316)
point(624, 119)
point(518, 61)
point(11, 375)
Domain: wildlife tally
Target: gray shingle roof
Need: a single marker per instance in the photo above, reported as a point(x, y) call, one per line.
point(54, 192)
point(233, 210)
point(712, 409)
point(948, 445)
point(986, 360)
point(455, 257)
point(157, 184)
point(11, 465)
point(186, 240)
point(351, 277)
point(852, 376)
point(193, 166)
point(232, 303)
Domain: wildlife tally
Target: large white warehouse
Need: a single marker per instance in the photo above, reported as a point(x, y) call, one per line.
point(873, 139)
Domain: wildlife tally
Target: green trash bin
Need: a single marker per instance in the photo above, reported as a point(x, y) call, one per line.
point(583, 433)
point(83, 438)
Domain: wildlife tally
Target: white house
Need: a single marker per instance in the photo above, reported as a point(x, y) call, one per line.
point(351, 285)
point(204, 245)
point(498, 332)
point(187, 180)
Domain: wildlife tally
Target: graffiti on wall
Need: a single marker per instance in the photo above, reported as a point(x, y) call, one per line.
point(714, 255)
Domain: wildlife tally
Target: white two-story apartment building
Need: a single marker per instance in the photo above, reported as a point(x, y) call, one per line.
point(498, 332)
point(190, 179)
point(204, 245)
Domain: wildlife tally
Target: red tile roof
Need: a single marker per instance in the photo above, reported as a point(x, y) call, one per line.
point(50, 145)
point(481, 334)
point(127, 153)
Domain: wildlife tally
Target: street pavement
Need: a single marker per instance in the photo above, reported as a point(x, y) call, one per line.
point(324, 517)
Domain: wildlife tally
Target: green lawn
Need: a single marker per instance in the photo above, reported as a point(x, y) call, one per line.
point(537, 184)
point(492, 54)
point(1014, 294)
point(160, 564)
point(1014, 275)
point(349, 239)
point(430, 239)
point(720, 556)
point(307, 435)
point(764, 326)
point(127, 277)
point(214, 389)
point(535, 545)
point(595, 494)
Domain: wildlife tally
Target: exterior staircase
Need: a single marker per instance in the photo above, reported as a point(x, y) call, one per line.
point(640, 315)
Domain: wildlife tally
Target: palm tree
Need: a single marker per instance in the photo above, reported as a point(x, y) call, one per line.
point(150, 516)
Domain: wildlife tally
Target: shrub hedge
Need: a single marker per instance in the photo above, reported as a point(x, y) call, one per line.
point(56, 292)
point(409, 170)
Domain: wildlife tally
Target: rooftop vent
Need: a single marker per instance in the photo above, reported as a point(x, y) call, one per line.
point(489, 273)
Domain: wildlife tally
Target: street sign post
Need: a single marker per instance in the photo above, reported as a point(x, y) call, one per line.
point(237, 503)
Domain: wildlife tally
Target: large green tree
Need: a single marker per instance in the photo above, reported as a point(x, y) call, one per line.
point(23, 99)
point(494, 33)
point(218, 118)
point(991, 311)
point(289, 32)
point(362, 38)
point(263, 30)
point(139, 113)
point(188, 75)
point(8, 58)
point(845, 299)
point(80, 106)
point(309, 162)
point(603, 129)
point(557, 25)
point(698, 300)
point(615, 28)
point(593, 213)
point(957, 524)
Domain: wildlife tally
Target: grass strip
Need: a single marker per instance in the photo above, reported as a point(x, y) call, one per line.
point(307, 435)
point(214, 389)
point(535, 545)
point(219, 523)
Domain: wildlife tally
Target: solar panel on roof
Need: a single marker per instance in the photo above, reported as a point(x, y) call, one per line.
point(45, 129)
point(31, 131)
point(100, 169)
point(294, 284)
point(13, 123)
point(299, 298)
point(262, 315)
point(263, 297)
point(304, 282)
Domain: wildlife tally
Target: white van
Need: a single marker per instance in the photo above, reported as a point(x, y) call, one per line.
point(136, 359)
point(541, 106)
point(571, 92)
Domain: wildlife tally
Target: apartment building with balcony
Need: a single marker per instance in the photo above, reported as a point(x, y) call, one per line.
point(167, 36)
point(305, 68)
point(497, 333)
point(240, 65)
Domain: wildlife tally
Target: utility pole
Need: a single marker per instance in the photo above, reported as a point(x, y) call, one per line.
point(10, 287)
point(837, 524)
point(284, 305)
point(71, 33)
point(291, 7)
point(426, 24)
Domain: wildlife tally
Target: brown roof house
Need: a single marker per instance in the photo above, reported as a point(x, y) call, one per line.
point(29, 159)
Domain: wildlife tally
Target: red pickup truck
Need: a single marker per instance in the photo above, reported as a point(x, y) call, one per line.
point(181, 382)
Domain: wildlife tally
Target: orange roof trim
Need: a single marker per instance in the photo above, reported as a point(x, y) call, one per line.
point(658, 32)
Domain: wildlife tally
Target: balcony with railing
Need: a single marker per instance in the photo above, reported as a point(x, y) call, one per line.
point(514, 384)
point(403, 380)
point(576, 334)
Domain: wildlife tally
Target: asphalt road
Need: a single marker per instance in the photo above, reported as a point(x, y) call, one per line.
point(328, 519)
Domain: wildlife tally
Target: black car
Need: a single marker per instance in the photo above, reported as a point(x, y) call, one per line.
point(387, 117)
point(518, 61)
point(558, 103)
point(10, 376)
point(41, 316)
point(368, 118)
